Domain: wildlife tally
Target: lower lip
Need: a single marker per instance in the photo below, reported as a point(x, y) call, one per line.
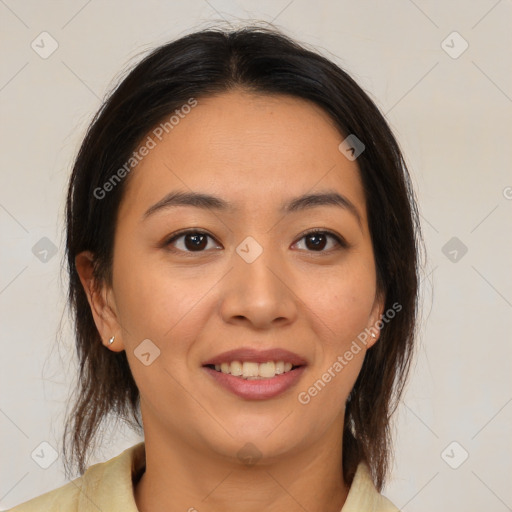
point(257, 389)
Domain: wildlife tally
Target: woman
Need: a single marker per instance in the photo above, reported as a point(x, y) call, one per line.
point(242, 251)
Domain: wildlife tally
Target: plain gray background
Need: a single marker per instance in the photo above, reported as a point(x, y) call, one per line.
point(450, 107)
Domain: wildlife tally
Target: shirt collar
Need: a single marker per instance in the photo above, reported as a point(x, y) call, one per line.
point(110, 486)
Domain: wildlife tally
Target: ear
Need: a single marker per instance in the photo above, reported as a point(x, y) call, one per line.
point(101, 301)
point(375, 316)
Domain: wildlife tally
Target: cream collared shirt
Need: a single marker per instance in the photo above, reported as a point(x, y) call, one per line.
point(108, 487)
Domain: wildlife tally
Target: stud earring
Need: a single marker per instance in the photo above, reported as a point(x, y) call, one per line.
point(111, 340)
point(373, 334)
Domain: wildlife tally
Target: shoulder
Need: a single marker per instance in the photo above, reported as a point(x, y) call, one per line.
point(363, 494)
point(93, 489)
point(62, 498)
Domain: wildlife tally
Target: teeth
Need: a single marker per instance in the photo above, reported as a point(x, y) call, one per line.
point(250, 370)
point(236, 368)
point(267, 369)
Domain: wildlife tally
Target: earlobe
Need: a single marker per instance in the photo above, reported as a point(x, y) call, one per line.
point(97, 294)
point(372, 341)
point(376, 319)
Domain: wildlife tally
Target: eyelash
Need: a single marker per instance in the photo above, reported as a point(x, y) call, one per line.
point(342, 244)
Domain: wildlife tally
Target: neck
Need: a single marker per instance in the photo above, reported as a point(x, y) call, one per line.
point(183, 476)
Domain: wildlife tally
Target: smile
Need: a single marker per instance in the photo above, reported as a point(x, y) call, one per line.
point(256, 387)
point(253, 370)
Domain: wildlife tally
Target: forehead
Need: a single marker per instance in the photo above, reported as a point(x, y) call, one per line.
point(255, 151)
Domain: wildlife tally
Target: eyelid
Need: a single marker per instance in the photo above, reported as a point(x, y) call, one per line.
point(172, 238)
point(338, 238)
point(341, 242)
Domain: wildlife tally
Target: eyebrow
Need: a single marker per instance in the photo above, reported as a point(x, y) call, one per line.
point(206, 201)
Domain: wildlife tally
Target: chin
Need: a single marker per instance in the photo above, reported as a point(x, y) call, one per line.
point(251, 445)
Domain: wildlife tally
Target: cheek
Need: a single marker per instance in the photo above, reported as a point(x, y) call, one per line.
point(158, 303)
point(341, 305)
point(155, 304)
point(340, 312)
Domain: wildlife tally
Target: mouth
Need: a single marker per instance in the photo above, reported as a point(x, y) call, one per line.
point(249, 363)
point(251, 370)
point(256, 375)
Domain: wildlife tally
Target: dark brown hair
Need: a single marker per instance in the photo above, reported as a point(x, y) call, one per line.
point(263, 61)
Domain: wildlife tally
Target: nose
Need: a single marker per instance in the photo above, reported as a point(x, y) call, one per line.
point(259, 293)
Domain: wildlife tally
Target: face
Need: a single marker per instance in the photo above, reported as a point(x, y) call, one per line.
point(247, 276)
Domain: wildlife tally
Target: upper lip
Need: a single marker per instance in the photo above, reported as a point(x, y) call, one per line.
point(257, 356)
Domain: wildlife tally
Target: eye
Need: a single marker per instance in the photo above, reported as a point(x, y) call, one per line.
point(317, 239)
point(197, 241)
point(194, 240)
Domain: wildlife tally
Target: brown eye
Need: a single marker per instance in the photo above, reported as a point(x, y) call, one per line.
point(193, 241)
point(317, 240)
